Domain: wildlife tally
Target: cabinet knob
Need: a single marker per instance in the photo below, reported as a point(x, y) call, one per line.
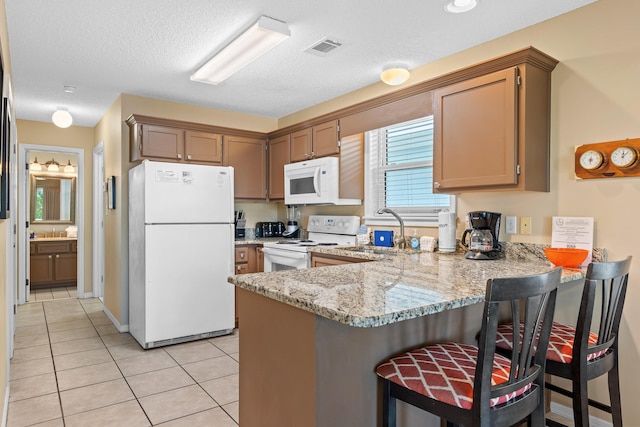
point(189, 157)
point(50, 257)
point(238, 268)
point(57, 256)
point(306, 156)
point(179, 156)
point(436, 185)
point(242, 255)
point(313, 154)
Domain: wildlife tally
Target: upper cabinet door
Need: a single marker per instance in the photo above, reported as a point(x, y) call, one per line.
point(325, 139)
point(161, 142)
point(279, 155)
point(301, 145)
point(476, 132)
point(203, 147)
point(248, 156)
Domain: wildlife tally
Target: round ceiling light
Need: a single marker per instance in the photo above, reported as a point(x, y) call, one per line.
point(460, 6)
point(62, 118)
point(395, 75)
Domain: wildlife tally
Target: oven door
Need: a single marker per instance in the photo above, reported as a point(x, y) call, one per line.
point(277, 259)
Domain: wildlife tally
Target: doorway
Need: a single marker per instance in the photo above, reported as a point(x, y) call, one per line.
point(66, 213)
point(98, 221)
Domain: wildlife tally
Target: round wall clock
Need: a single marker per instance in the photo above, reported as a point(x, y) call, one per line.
point(624, 157)
point(592, 159)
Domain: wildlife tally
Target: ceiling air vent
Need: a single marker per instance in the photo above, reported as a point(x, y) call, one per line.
point(323, 46)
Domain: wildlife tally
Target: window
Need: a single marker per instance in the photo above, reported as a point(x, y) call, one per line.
point(400, 174)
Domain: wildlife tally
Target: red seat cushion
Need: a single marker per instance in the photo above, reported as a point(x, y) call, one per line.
point(560, 342)
point(445, 372)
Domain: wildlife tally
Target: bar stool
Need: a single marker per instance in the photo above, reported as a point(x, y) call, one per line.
point(474, 386)
point(577, 353)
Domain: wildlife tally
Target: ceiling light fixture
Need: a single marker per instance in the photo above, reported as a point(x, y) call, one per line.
point(52, 166)
point(460, 6)
point(69, 168)
point(35, 166)
point(62, 118)
point(260, 38)
point(394, 75)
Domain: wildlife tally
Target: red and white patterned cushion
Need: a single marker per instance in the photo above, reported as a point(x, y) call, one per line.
point(445, 372)
point(560, 342)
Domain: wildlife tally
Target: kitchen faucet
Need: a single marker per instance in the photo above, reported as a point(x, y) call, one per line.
point(402, 242)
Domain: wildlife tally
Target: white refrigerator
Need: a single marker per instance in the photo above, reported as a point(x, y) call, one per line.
point(181, 252)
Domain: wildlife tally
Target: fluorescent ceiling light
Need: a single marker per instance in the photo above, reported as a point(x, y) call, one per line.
point(263, 36)
point(62, 118)
point(395, 75)
point(460, 6)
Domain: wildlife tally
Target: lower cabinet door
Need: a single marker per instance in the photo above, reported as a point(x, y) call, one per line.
point(41, 269)
point(66, 268)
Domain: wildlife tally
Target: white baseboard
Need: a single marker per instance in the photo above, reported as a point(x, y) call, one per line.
point(86, 295)
point(5, 409)
point(119, 327)
point(567, 412)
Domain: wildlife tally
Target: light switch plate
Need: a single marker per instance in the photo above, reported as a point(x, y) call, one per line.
point(511, 224)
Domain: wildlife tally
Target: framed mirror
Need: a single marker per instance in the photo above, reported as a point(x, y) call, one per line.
point(53, 199)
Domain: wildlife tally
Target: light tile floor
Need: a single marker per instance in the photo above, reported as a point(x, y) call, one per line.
point(71, 367)
point(60, 292)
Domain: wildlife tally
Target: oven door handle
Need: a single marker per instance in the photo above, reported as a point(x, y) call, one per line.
point(284, 254)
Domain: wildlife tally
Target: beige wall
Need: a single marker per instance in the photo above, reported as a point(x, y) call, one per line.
point(39, 133)
point(594, 99)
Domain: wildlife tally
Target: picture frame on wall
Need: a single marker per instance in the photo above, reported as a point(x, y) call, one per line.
point(5, 160)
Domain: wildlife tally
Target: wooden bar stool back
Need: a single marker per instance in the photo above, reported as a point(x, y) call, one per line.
point(579, 353)
point(474, 386)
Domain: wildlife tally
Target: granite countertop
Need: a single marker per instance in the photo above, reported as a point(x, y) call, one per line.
point(396, 285)
point(52, 239)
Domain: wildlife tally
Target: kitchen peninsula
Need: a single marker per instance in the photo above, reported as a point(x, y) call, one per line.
point(310, 339)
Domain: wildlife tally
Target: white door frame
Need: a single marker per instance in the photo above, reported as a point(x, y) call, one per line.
point(12, 244)
point(23, 215)
point(98, 220)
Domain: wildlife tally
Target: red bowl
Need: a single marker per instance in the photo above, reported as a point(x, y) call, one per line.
point(566, 257)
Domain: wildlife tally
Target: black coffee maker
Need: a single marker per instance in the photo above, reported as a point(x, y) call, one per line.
point(483, 236)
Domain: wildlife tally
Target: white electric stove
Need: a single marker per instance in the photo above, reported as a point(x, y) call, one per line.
point(323, 230)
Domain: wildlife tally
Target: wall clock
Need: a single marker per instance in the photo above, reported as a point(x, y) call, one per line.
point(612, 159)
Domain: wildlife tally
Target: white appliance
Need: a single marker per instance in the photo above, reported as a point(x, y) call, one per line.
point(324, 230)
point(180, 252)
point(314, 182)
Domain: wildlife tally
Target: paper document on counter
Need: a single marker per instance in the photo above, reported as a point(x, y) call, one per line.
point(573, 232)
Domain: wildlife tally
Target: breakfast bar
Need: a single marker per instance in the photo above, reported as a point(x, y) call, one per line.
point(310, 339)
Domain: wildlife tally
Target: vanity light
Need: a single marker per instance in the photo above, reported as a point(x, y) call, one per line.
point(35, 166)
point(69, 167)
point(394, 75)
point(52, 166)
point(460, 6)
point(62, 118)
point(260, 38)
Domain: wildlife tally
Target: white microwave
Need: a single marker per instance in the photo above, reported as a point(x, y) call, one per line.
point(314, 182)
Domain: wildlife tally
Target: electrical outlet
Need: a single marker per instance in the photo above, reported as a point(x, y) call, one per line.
point(525, 225)
point(511, 224)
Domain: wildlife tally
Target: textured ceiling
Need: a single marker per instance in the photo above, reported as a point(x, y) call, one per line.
point(151, 47)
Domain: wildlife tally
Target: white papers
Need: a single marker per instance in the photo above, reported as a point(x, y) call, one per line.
point(573, 232)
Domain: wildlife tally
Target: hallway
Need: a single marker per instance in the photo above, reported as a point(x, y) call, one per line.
point(71, 367)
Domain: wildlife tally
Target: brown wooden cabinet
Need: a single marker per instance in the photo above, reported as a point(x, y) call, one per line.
point(317, 141)
point(491, 132)
point(249, 259)
point(172, 141)
point(248, 156)
point(203, 147)
point(279, 155)
point(53, 263)
point(324, 260)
